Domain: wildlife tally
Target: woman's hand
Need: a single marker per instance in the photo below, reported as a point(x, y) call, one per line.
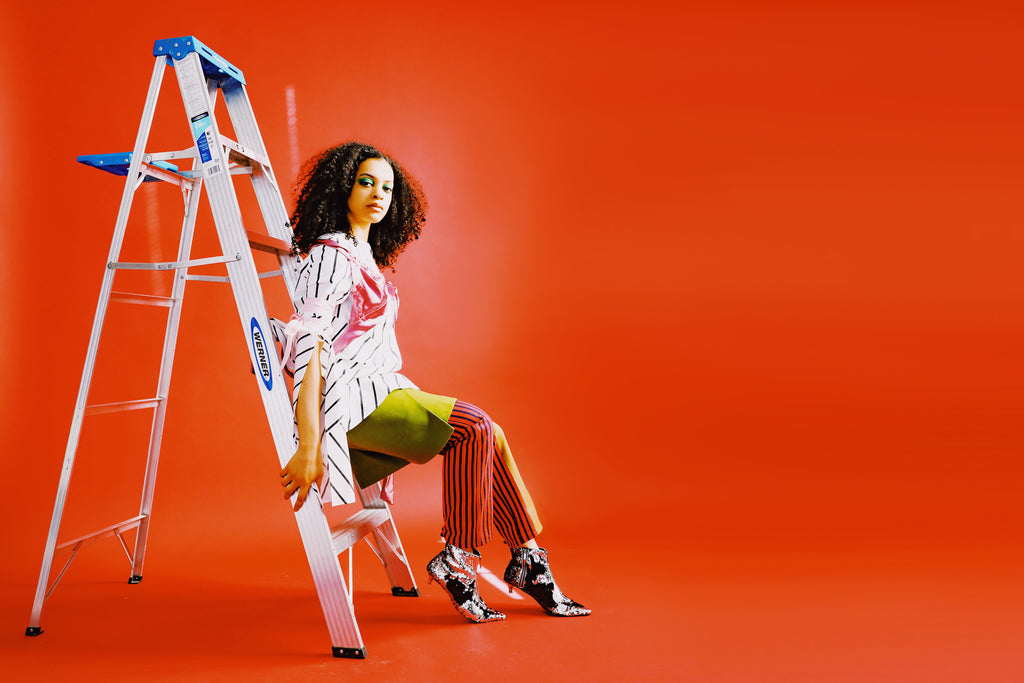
point(302, 470)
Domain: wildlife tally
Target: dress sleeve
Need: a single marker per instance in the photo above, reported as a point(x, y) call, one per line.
point(324, 283)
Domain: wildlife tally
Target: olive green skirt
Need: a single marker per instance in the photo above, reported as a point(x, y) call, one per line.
point(409, 426)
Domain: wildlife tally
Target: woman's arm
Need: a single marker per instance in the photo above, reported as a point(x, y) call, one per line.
point(306, 466)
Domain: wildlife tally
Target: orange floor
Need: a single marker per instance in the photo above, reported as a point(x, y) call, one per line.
point(738, 578)
point(217, 611)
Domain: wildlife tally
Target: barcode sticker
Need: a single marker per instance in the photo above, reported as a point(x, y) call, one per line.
point(211, 170)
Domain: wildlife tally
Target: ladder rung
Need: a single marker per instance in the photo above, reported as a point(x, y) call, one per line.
point(187, 154)
point(173, 265)
point(175, 177)
point(102, 533)
point(271, 245)
point(122, 406)
point(348, 533)
point(240, 155)
point(224, 278)
point(143, 299)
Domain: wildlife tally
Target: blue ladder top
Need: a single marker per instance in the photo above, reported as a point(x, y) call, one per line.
point(118, 164)
point(214, 66)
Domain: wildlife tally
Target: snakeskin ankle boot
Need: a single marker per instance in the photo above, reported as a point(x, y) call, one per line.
point(454, 570)
point(529, 571)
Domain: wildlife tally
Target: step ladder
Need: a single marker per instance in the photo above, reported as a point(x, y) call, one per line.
point(214, 160)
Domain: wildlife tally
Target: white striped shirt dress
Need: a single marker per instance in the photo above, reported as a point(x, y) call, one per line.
point(344, 301)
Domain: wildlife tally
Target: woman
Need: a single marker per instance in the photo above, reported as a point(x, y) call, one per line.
point(356, 415)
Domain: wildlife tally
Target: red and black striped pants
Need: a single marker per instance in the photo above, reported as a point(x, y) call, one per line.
point(482, 486)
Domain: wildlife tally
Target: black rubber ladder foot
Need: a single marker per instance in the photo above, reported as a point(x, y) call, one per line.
point(403, 593)
point(349, 652)
point(33, 631)
point(135, 578)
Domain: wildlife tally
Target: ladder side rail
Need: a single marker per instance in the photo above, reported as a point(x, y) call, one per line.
point(97, 328)
point(164, 379)
point(264, 182)
point(313, 526)
point(269, 198)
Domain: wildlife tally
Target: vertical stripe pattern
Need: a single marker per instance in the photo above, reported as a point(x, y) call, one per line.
point(482, 486)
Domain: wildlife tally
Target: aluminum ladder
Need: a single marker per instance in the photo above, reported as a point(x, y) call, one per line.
point(215, 159)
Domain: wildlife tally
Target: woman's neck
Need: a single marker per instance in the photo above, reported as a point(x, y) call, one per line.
point(361, 233)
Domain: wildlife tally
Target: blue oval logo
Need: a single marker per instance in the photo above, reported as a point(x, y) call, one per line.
point(261, 359)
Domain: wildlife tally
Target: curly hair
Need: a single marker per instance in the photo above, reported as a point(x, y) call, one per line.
point(321, 207)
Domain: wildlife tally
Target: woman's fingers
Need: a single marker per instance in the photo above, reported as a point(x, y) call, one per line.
point(301, 499)
point(291, 486)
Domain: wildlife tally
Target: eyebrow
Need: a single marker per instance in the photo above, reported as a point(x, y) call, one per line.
point(370, 175)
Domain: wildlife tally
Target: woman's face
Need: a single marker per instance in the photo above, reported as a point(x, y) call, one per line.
point(371, 194)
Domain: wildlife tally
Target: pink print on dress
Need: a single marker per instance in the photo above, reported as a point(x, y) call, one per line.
point(370, 295)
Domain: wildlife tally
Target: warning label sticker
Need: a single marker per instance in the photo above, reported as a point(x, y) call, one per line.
point(200, 132)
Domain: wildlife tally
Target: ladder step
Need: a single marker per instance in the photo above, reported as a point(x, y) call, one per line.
point(142, 299)
point(118, 164)
point(215, 67)
point(122, 406)
point(226, 279)
point(173, 265)
point(271, 245)
point(240, 155)
point(348, 533)
point(102, 533)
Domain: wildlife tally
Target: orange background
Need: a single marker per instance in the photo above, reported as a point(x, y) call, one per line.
point(740, 280)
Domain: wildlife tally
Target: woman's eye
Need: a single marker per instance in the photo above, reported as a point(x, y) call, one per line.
point(365, 182)
point(387, 188)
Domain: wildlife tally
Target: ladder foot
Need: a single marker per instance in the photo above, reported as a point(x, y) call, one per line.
point(403, 593)
point(135, 578)
point(33, 631)
point(349, 652)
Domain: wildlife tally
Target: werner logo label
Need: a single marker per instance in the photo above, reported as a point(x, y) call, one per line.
point(259, 349)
